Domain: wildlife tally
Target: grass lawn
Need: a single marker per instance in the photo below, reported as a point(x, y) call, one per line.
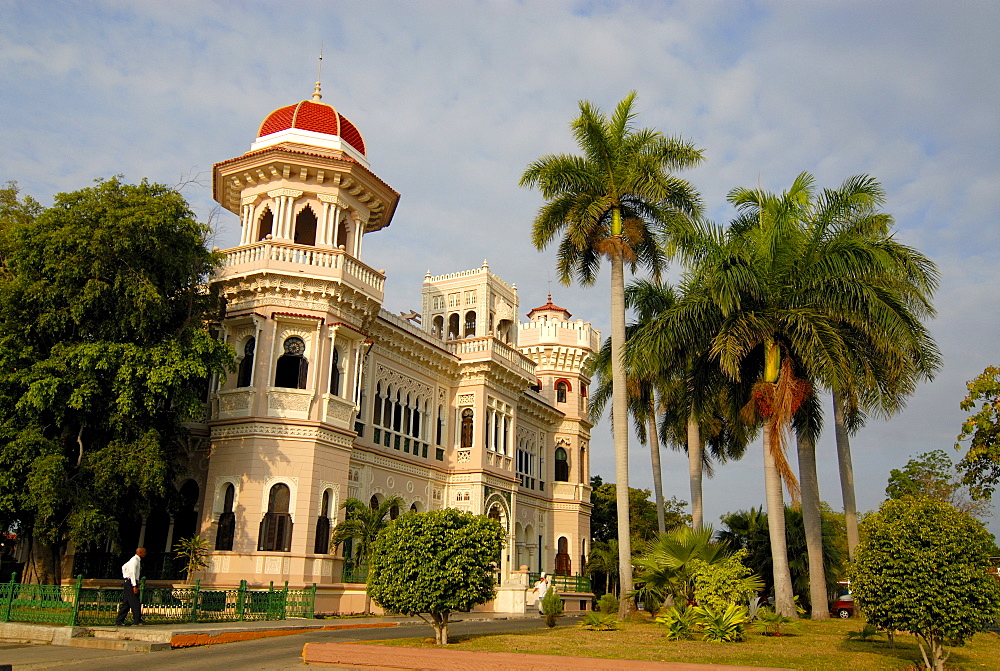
point(814, 645)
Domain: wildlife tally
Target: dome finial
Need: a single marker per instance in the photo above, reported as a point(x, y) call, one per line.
point(317, 96)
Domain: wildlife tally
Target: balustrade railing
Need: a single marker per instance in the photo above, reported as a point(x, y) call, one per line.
point(78, 605)
point(564, 583)
point(334, 259)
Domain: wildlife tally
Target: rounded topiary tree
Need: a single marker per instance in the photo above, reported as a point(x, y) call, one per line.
point(922, 568)
point(435, 563)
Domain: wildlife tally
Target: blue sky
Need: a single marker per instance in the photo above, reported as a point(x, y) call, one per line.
point(456, 98)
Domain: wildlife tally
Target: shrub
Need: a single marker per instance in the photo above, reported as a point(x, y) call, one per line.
point(608, 604)
point(922, 567)
point(770, 622)
point(681, 623)
point(724, 582)
point(552, 607)
point(599, 622)
point(723, 625)
point(867, 633)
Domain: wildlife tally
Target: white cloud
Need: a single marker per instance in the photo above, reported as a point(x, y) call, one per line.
point(455, 98)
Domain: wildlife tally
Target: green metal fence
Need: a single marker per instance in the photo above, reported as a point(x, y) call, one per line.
point(78, 605)
point(564, 583)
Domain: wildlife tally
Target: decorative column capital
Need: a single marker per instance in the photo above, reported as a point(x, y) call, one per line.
point(291, 193)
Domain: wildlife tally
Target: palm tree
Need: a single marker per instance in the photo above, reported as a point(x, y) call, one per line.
point(667, 566)
point(890, 349)
point(770, 330)
point(618, 200)
point(362, 526)
point(603, 558)
point(885, 289)
point(647, 299)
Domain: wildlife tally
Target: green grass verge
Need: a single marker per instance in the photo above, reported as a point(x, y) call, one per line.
point(814, 646)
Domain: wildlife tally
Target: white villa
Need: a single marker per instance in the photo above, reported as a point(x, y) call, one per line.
point(462, 406)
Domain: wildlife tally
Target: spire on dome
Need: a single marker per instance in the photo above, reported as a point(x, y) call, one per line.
point(317, 96)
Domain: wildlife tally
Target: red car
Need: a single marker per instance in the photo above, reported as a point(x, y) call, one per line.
point(843, 605)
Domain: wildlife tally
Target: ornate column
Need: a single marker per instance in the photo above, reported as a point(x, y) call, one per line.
point(284, 199)
point(247, 234)
point(327, 233)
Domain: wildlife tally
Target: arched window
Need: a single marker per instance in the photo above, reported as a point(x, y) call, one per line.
point(504, 329)
point(438, 328)
point(413, 508)
point(373, 502)
point(440, 424)
point(292, 367)
point(265, 225)
point(453, 326)
point(564, 564)
point(226, 532)
point(562, 465)
point(335, 372)
point(322, 545)
point(276, 527)
point(561, 389)
point(377, 405)
point(467, 416)
point(470, 324)
point(393, 512)
point(305, 227)
point(245, 376)
point(342, 235)
point(387, 409)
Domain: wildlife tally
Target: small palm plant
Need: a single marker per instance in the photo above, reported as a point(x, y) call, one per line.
point(723, 625)
point(867, 634)
point(681, 623)
point(599, 621)
point(771, 622)
point(194, 552)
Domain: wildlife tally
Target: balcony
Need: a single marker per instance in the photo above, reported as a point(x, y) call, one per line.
point(333, 264)
point(492, 349)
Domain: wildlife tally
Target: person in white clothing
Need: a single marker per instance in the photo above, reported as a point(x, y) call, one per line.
point(541, 589)
point(130, 590)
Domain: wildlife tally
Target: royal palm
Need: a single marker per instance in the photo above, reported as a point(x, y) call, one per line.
point(619, 201)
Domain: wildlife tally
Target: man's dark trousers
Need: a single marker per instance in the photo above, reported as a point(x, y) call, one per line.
point(130, 601)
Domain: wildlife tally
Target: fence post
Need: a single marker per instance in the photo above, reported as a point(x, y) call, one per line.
point(284, 602)
point(194, 600)
point(241, 596)
point(76, 600)
point(312, 603)
point(142, 589)
point(10, 598)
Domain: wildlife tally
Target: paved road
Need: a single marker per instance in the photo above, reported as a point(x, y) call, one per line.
point(284, 652)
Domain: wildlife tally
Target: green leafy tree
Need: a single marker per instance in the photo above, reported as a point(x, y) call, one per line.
point(981, 465)
point(362, 525)
point(435, 563)
point(104, 355)
point(725, 582)
point(932, 475)
point(922, 567)
point(603, 559)
point(617, 201)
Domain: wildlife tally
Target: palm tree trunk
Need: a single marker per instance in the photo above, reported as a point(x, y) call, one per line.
point(846, 475)
point(654, 453)
point(695, 470)
point(813, 523)
point(619, 420)
point(783, 599)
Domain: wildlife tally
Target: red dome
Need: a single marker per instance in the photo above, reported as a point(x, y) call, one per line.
point(315, 117)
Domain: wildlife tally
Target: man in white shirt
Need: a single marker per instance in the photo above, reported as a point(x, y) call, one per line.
point(130, 590)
